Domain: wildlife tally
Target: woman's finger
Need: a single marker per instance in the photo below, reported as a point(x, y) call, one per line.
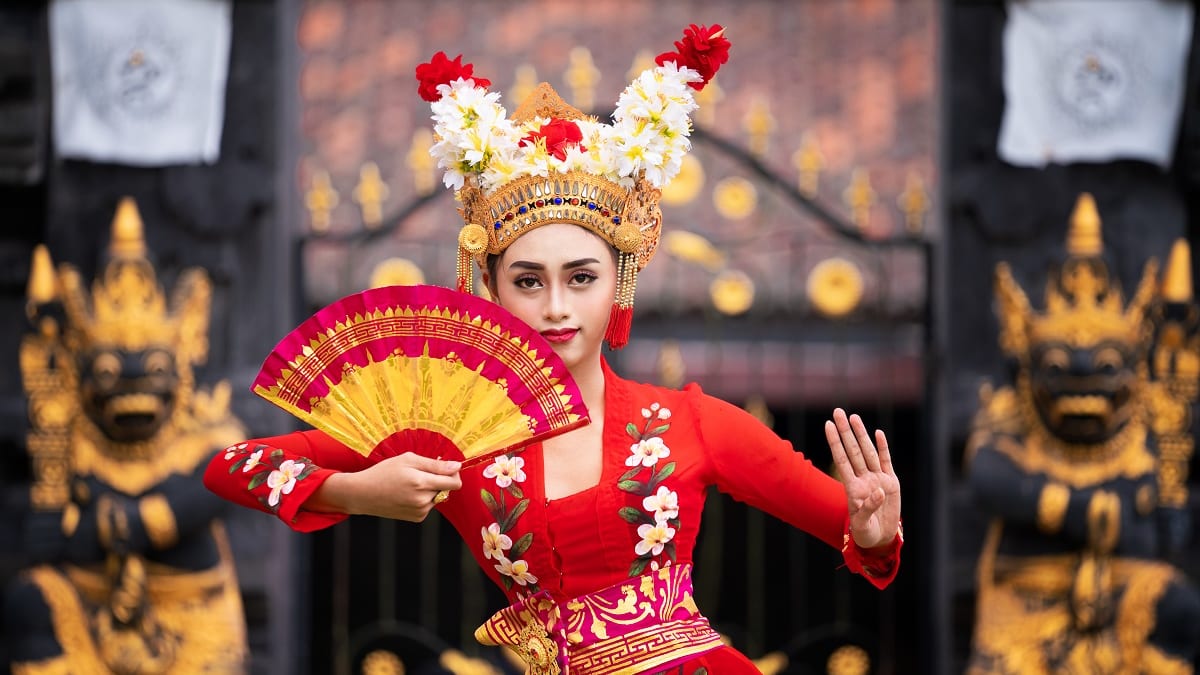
point(839, 453)
point(864, 443)
point(853, 452)
point(885, 455)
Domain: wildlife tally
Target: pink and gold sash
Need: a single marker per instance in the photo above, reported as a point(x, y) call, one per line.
point(648, 622)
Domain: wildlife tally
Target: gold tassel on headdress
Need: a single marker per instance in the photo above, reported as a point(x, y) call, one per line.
point(628, 240)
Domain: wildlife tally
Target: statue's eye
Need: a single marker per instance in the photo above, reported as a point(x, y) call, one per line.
point(1055, 360)
point(1109, 360)
point(106, 369)
point(157, 363)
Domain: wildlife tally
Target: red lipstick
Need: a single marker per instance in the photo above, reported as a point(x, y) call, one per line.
point(559, 335)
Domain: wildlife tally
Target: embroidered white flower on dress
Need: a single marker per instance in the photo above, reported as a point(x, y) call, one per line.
point(518, 571)
point(283, 480)
point(664, 504)
point(506, 470)
point(654, 538)
point(233, 450)
point(664, 414)
point(495, 543)
point(647, 452)
point(254, 461)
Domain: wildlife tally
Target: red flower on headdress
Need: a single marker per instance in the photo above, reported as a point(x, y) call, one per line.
point(441, 70)
point(702, 49)
point(559, 135)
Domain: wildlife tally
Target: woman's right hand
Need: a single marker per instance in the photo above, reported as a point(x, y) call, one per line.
point(402, 488)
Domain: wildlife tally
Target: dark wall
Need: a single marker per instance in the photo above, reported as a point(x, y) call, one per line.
point(229, 218)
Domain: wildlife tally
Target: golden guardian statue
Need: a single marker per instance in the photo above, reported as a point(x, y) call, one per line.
point(136, 574)
point(1082, 463)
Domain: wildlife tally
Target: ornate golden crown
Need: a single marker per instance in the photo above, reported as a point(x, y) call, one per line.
point(127, 308)
point(1083, 304)
point(627, 218)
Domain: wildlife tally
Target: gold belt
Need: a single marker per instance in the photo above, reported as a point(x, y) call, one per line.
point(647, 622)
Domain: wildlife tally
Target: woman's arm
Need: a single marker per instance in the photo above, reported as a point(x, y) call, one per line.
point(311, 481)
point(753, 465)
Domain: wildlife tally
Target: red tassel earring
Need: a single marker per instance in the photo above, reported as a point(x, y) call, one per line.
point(620, 319)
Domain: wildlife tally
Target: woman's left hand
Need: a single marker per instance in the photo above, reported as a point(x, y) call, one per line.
point(872, 489)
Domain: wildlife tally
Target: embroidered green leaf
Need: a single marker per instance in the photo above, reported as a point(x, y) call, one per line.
point(258, 479)
point(507, 581)
point(634, 516)
point(238, 464)
point(631, 473)
point(267, 506)
point(639, 566)
point(701, 671)
point(511, 518)
point(674, 522)
point(662, 475)
point(634, 486)
point(516, 491)
point(659, 430)
point(633, 431)
point(490, 502)
point(521, 545)
point(276, 453)
point(670, 549)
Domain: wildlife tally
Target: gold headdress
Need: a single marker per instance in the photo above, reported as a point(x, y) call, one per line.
point(1083, 305)
point(127, 308)
point(549, 163)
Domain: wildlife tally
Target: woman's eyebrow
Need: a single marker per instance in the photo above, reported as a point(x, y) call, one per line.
point(580, 263)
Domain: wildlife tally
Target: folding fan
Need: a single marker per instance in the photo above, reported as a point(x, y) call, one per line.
point(422, 369)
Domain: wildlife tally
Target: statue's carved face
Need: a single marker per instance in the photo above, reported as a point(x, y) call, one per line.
point(1083, 394)
point(128, 395)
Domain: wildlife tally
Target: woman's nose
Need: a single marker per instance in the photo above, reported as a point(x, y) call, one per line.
point(556, 303)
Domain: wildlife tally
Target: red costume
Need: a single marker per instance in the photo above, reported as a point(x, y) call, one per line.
point(561, 561)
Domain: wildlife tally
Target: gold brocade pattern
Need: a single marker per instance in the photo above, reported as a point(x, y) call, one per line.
point(159, 520)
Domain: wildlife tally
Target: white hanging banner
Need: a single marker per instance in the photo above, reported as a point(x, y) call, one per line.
point(1093, 80)
point(138, 82)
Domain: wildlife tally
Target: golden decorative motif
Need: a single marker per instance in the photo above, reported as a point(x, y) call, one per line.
point(320, 200)
point(759, 124)
point(809, 161)
point(41, 287)
point(835, 287)
point(420, 162)
point(860, 198)
point(159, 520)
point(525, 82)
point(671, 367)
point(1104, 521)
point(1177, 278)
point(732, 292)
point(199, 612)
point(370, 193)
point(1024, 613)
point(1052, 507)
point(627, 238)
point(848, 660)
point(1083, 237)
point(735, 197)
point(396, 272)
point(382, 662)
point(581, 76)
point(693, 248)
point(914, 203)
point(473, 239)
point(684, 187)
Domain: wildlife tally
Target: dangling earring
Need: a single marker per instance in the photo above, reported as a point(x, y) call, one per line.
point(620, 319)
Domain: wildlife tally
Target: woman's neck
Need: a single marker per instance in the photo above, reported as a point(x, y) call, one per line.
point(589, 377)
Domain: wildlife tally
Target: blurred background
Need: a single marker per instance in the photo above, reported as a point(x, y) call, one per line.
point(830, 242)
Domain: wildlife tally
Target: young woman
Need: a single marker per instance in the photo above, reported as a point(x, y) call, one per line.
point(564, 526)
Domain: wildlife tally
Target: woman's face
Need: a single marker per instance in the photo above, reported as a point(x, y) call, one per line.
point(561, 280)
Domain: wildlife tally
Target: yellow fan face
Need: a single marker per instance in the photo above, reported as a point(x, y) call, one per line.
point(425, 369)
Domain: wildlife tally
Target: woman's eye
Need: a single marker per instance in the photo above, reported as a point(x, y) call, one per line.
point(583, 277)
point(526, 282)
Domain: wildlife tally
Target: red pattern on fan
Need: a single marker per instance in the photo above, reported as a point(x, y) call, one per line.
point(422, 369)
